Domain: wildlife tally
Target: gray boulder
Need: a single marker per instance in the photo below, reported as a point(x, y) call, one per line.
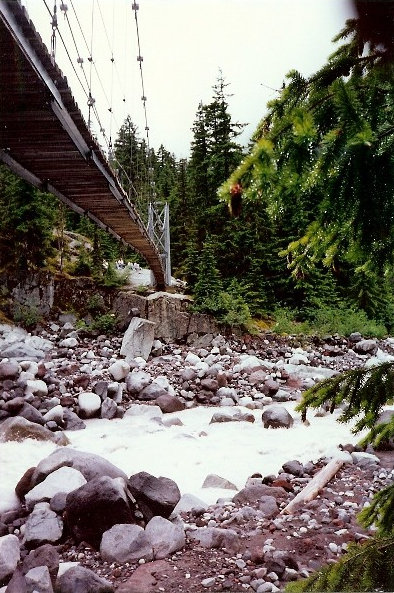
point(9, 555)
point(96, 506)
point(91, 466)
point(365, 346)
point(136, 381)
point(294, 468)
point(42, 526)
point(277, 417)
point(72, 421)
point(38, 579)
point(165, 537)
point(125, 543)
point(155, 496)
point(189, 502)
point(215, 537)
point(138, 339)
point(215, 481)
point(65, 479)
point(45, 555)
point(82, 580)
point(109, 409)
point(9, 369)
point(152, 392)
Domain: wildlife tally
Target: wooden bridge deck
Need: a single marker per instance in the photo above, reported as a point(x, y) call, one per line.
point(45, 140)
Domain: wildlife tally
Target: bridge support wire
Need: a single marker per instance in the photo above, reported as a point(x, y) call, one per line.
point(159, 232)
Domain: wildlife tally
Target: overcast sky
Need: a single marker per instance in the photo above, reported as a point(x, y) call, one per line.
point(184, 44)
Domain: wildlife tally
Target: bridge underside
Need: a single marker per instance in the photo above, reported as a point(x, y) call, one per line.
point(45, 140)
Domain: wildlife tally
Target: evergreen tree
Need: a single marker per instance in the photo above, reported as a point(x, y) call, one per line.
point(27, 219)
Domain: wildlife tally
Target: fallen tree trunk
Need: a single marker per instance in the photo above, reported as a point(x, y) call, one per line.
point(312, 489)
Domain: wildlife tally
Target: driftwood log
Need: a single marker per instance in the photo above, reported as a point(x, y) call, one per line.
point(312, 489)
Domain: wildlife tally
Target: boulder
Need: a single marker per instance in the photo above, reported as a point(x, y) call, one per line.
point(64, 479)
point(169, 314)
point(277, 417)
point(365, 346)
point(37, 387)
point(46, 555)
point(144, 411)
point(91, 466)
point(125, 543)
point(18, 429)
point(82, 580)
point(255, 492)
point(215, 537)
point(169, 403)
point(294, 467)
point(165, 537)
point(138, 339)
point(9, 555)
point(152, 392)
point(215, 481)
point(189, 502)
point(9, 369)
point(42, 526)
point(39, 579)
point(154, 496)
point(136, 381)
point(89, 404)
point(17, 583)
point(72, 421)
point(30, 413)
point(96, 506)
point(109, 409)
point(119, 370)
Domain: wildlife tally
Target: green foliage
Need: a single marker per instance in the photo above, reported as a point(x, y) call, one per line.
point(26, 315)
point(95, 304)
point(363, 390)
point(342, 319)
point(345, 320)
point(105, 323)
point(84, 265)
point(114, 278)
point(380, 513)
point(365, 567)
point(27, 218)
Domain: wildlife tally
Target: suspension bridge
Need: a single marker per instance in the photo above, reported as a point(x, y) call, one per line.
point(45, 140)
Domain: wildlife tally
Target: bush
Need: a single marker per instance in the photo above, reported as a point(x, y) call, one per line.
point(341, 320)
point(27, 316)
point(105, 324)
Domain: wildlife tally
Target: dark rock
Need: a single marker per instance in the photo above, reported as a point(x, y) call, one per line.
point(72, 421)
point(82, 580)
point(152, 392)
point(277, 417)
point(24, 485)
point(95, 507)
point(17, 583)
point(293, 467)
point(169, 403)
point(45, 555)
point(255, 492)
point(154, 496)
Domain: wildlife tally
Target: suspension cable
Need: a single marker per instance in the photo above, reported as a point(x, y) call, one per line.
point(140, 59)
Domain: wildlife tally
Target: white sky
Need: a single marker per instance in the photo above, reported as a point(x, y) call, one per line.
point(184, 43)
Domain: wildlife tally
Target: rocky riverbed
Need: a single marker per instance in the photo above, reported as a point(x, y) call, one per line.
point(55, 383)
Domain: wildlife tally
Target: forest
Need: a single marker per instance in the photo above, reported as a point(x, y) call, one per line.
point(293, 233)
point(295, 229)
